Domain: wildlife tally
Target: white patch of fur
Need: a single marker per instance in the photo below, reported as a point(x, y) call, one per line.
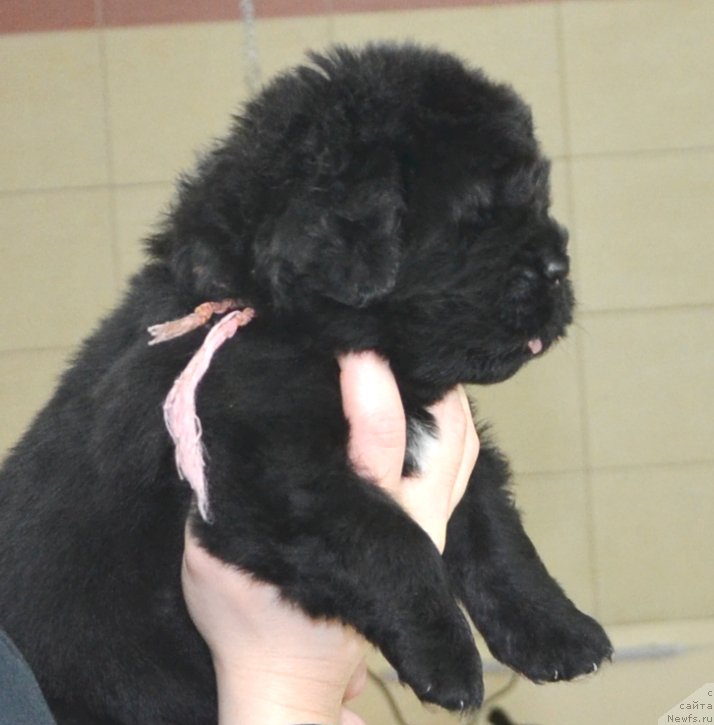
point(421, 442)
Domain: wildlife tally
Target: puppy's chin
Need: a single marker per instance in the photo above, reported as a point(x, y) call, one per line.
point(498, 365)
point(498, 368)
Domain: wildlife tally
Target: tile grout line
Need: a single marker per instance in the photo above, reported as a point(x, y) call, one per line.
point(616, 467)
point(610, 154)
point(579, 343)
point(111, 174)
point(330, 13)
point(99, 15)
point(84, 187)
point(568, 157)
point(657, 309)
point(211, 17)
point(662, 620)
point(68, 349)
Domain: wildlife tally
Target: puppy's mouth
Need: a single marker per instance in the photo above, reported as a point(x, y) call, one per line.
point(505, 364)
point(534, 347)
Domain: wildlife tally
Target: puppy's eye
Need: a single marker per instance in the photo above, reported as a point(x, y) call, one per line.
point(488, 216)
point(526, 185)
point(474, 205)
point(474, 220)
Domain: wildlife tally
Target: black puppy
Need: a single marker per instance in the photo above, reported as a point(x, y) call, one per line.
point(387, 199)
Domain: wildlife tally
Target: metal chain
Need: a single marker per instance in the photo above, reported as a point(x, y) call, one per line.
point(251, 54)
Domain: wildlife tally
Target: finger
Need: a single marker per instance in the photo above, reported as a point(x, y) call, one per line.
point(373, 407)
point(445, 467)
point(443, 462)
point(195, 557)
point(347, 717)
point(471, 447)
point(357, 682)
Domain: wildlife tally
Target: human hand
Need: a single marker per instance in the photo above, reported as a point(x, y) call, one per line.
point(373, 406)
point(275, 665)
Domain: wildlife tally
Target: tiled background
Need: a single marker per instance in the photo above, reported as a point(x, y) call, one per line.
point(611, 435)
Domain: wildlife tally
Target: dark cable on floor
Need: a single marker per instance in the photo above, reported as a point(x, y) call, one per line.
point(388, 696)
point(491, 699)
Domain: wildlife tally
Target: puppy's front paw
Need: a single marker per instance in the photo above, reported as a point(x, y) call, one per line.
point(442, 666)
point(559, 646)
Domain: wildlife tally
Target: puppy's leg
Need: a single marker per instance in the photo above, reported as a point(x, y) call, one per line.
point(526, 619)
point(341, 549)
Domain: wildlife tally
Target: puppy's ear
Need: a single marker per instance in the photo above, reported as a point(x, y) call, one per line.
point(206, 268)
point(340, 238)
point(202, 246)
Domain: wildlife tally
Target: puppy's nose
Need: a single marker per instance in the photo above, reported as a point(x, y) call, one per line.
point(555, 268)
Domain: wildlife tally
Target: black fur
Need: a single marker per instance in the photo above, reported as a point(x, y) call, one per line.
point(386, 199)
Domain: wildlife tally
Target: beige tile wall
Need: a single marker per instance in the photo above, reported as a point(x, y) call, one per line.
point(611, 434)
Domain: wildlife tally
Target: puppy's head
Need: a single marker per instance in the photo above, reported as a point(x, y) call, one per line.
point(389, 198)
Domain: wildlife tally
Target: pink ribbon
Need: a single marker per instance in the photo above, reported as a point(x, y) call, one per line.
point(180, 415)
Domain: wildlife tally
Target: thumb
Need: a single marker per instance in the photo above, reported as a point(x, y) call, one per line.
point(373, 407)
